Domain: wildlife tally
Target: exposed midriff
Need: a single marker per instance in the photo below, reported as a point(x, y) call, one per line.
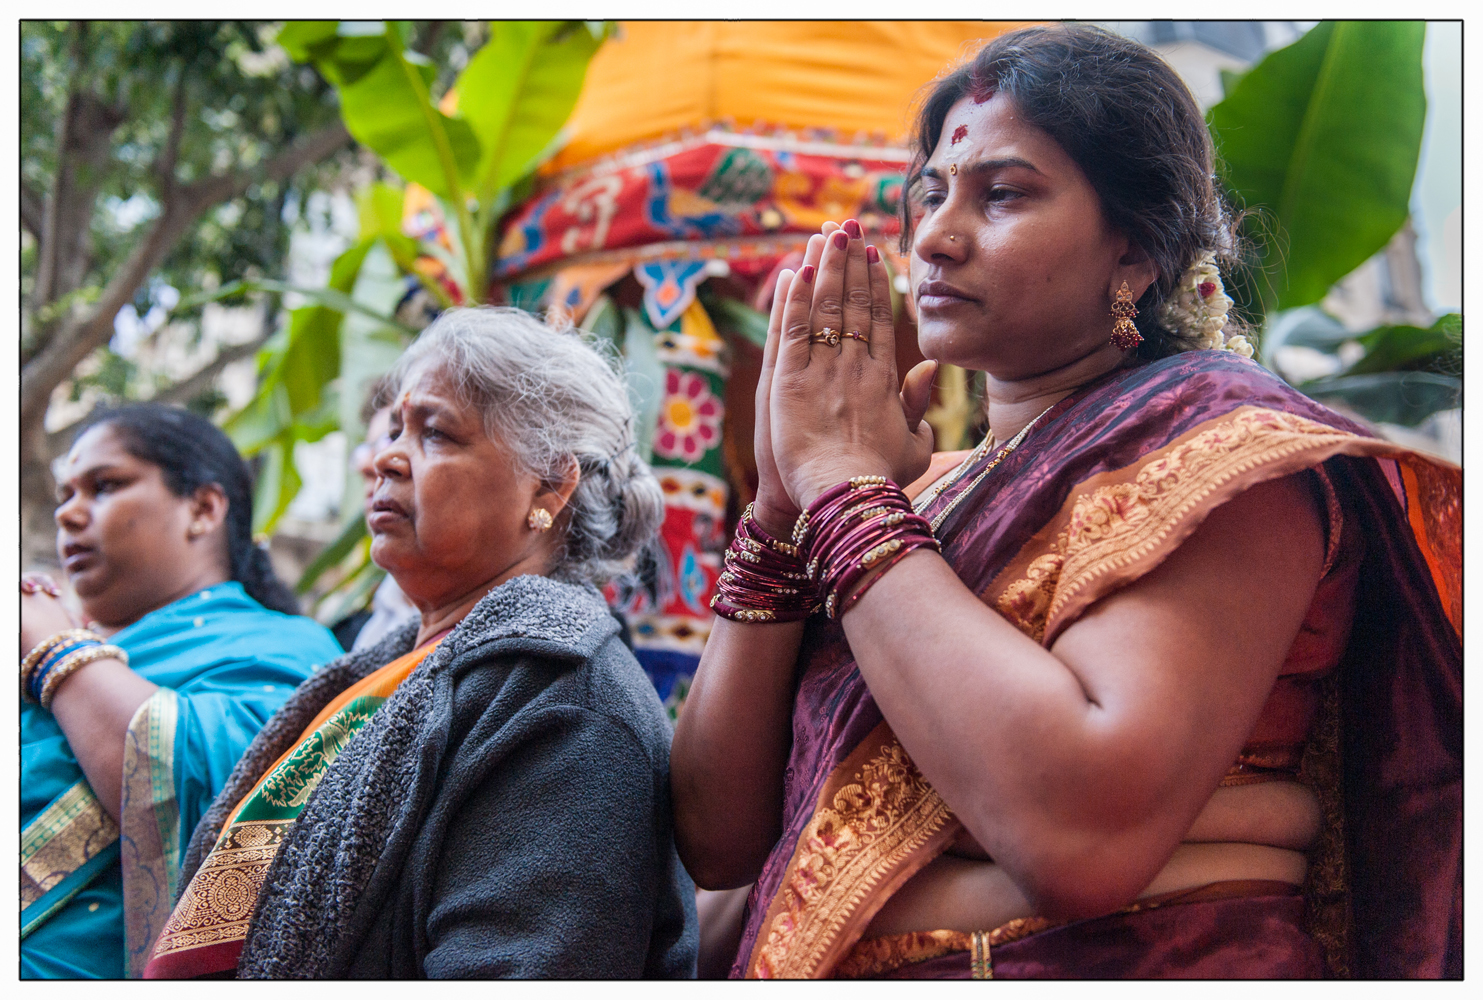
point(1257, 825)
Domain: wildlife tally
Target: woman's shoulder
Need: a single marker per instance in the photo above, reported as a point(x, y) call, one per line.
point(222, 626)
point(1194, 386)
point(535, 623)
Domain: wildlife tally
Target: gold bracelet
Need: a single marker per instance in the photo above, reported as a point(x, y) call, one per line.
point(45, 648)
point(71, 663)
point(39, 651)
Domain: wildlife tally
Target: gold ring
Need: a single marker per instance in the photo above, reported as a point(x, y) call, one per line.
point(825, 336)
point(856, 335)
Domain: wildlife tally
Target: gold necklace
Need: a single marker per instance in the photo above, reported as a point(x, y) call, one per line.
point(925, 500)
point(978, 452)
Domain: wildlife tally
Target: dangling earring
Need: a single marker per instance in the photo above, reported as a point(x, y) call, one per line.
point(1125, 335)
point(539, 519)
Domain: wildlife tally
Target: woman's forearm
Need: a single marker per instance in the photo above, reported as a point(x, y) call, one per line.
point(730, 750)
point(94, 707)
point(1079, 767)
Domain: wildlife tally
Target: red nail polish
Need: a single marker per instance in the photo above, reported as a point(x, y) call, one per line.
point(853, 228)
point(872, 255)
point(841, 240)
point(807, 274)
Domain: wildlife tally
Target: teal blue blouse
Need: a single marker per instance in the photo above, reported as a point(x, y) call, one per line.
point(94, 892)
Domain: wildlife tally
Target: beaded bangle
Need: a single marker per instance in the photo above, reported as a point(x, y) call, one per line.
point(45, 654)
point(856, 529)
point(53, 657)
point(73, 662)
point(41, 648)
point(763, 578)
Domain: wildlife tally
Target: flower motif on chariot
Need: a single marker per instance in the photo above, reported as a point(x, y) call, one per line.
point(689, 419)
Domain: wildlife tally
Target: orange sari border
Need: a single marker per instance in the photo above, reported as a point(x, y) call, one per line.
point(876, 823)
point(1117, 526)
point(205, 932)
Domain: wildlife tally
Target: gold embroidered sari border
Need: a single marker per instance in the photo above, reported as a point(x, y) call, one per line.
point(61, 839)
point(876, 823)
point(1118, 525)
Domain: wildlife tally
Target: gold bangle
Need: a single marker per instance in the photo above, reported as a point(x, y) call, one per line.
point(73, 662)
point(39, 651)
point(53, 656)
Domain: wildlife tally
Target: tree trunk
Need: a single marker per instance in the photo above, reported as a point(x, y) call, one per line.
point(38, 532)
point(77, 333)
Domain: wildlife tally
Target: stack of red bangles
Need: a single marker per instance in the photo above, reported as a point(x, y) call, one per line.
point(849, 532)
point(763, 580)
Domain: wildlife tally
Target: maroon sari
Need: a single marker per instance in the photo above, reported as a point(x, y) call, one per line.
point(1109, 482)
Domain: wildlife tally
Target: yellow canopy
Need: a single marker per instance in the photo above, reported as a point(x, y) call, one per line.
point(659, 77)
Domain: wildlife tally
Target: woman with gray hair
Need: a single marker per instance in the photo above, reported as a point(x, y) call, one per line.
point(485, 792)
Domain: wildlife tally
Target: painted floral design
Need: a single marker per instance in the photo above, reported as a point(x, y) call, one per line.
point(689, 419)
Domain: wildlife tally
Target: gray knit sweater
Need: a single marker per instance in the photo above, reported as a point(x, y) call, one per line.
point(504, 813)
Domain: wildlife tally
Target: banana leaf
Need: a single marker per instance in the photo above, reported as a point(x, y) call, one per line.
point(1437, 348)
point(735, 316)
point(1323, 137)
point(1405, 398)
point(333, 554)
point(385, 103)
point(645, 379)
point(518, 91)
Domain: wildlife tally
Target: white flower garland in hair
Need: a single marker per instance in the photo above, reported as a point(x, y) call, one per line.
point(1196, 312)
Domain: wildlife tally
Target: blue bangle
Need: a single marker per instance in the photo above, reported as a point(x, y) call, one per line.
point(58, 651)
point(52, 658)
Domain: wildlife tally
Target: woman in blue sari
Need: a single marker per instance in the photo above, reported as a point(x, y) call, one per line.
point(130, 728)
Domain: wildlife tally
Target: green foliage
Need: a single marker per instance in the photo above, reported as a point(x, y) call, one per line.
point(1437, 348)
point(1405, 398)
point(645, 379)
point(736, 317)
point(384, 100)
point(1406, 373)
point(242, 107)
point(519, 90)
point(333, 554)
point(512, 99)
point(513, 96)
point(1323, 138)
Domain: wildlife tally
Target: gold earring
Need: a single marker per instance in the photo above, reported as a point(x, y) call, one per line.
point(1125, 335)
point(539, 519)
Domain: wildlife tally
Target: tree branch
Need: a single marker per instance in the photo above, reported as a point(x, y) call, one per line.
point(81, 336)
point(198, 383)
point(33, 211)
point(215, 190)
point(181, 392)
point(164, 167)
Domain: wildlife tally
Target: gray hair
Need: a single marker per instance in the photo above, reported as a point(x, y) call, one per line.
point(550, 397)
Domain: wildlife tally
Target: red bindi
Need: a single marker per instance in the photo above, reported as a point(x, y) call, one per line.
point(959, 134)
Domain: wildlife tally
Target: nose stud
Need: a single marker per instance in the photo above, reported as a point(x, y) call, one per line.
point(952, 168)
point(953, 239)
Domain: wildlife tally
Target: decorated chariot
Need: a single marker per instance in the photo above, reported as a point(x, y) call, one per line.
point(700, 157)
